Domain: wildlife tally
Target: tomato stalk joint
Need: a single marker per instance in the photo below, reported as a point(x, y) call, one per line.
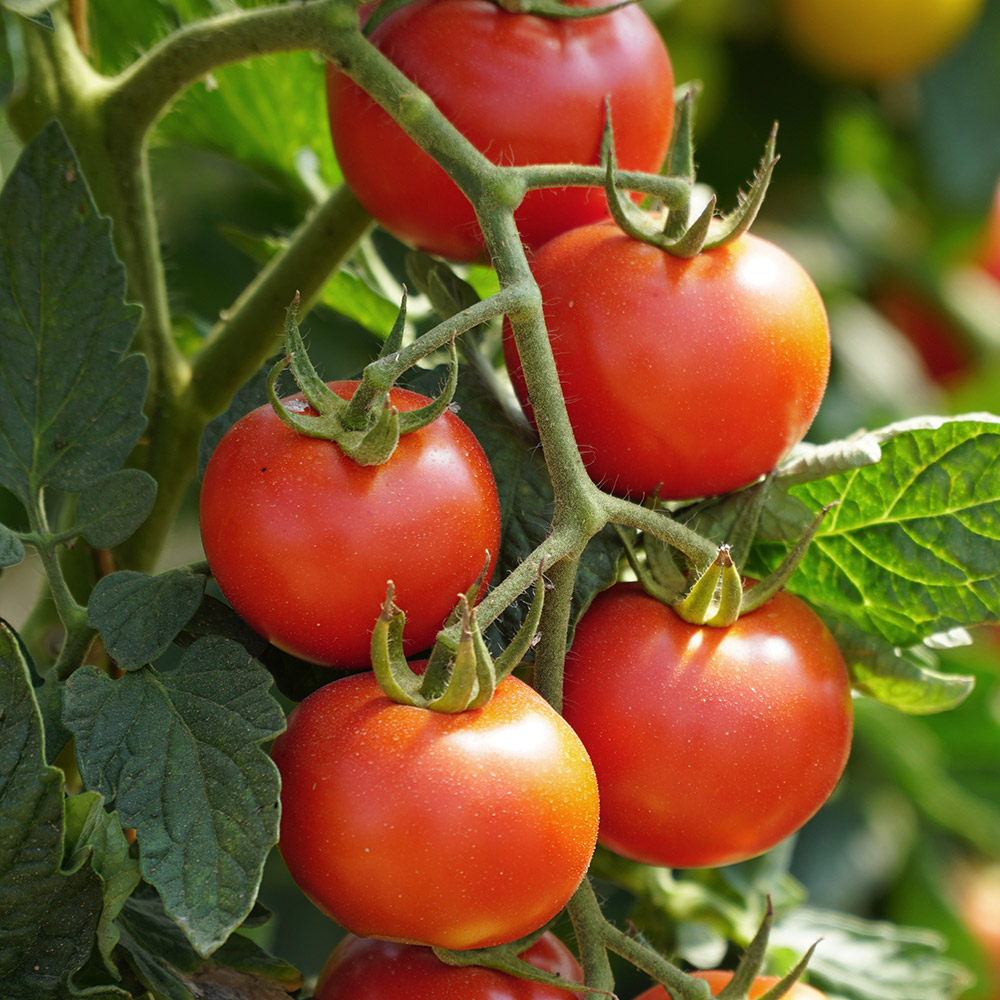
point(365, 428)
point(454, 679)
point(677, 234)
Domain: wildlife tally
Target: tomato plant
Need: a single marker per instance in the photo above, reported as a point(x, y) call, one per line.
point(366, 969)
point(171, 205)
point(523, 89)
point(303, 540)
point(684, 376)
point(877, 41)
point(716, 979)
point(710, 744)
point(490, 813)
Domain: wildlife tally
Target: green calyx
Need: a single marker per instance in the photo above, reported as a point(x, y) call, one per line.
point(749, 967)
point(456, 679)
point(366, 427)
point(716, 595)
point(677, 234)
point(557, 10)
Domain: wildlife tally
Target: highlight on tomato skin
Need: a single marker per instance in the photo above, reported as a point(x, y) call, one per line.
point(711, 745)
point(717, 979)
point(368, 969)
point(687, 377)
point(302, 540)
point(461, 830)
point(522, 89)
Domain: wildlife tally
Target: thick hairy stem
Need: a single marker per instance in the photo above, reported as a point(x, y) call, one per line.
point(550, 653)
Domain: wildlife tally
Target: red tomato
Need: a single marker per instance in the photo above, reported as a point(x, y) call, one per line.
point(463, 830)
point(990, 251)
point(522, 89)
point(710, 745)
point(302, 540)
point(716, 980)
point(944, 354)
point(695, 376)
point(365, 969)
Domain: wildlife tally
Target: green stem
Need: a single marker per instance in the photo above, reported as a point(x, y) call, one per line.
point(588, 925)
point(250, 331)
point(550, 653)
point(651, 962)
point(672, 191)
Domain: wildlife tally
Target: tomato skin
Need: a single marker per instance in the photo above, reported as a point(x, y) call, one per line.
point(716, 979)
point(302, 540)
point(522, 89)
point(710, 745)
point(697, 375)
point(872, 41)
point(367, 969)
point(462, 831)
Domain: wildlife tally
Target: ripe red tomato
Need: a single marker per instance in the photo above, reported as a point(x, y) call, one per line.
point(522, 89)
point(717, 979)
point(302, 540)
point(463, 830)
point(695, 376)
point(365, 969)
point(710, 745)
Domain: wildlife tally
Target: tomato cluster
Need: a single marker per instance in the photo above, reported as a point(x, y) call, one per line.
point(684, 377)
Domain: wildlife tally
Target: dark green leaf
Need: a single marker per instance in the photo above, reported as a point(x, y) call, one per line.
point(293, 677)
point(11, 549)
point(913, 546)
point(109, 510)
point(345, 291)
point(95, 834)
point(865, 960)
point(48, 917)
point(269, 113)
point(70, 397)
point(139, 615)
point(32, 10)
point(178, 752)
point(166, 963)
point(903, 679)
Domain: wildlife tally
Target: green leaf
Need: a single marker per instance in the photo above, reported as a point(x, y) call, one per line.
point(94, 833)
point(11, 549)
point(139, 615)
point(913, 546)
point(867, 960)
point(269, 113)
point(166, 963)
point(48, 917)
point(27, 8)
point(345, 291)
point(178, 753)
point(109, 510)
point(70, 396)
point(904, 679)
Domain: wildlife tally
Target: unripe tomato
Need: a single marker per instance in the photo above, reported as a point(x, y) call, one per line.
point(522, 89)
point(710, 745)
point(871, 41)
point(302, 540)
point(461, 831)
point(716, 979)
point(366, 969)
point(693, 377)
